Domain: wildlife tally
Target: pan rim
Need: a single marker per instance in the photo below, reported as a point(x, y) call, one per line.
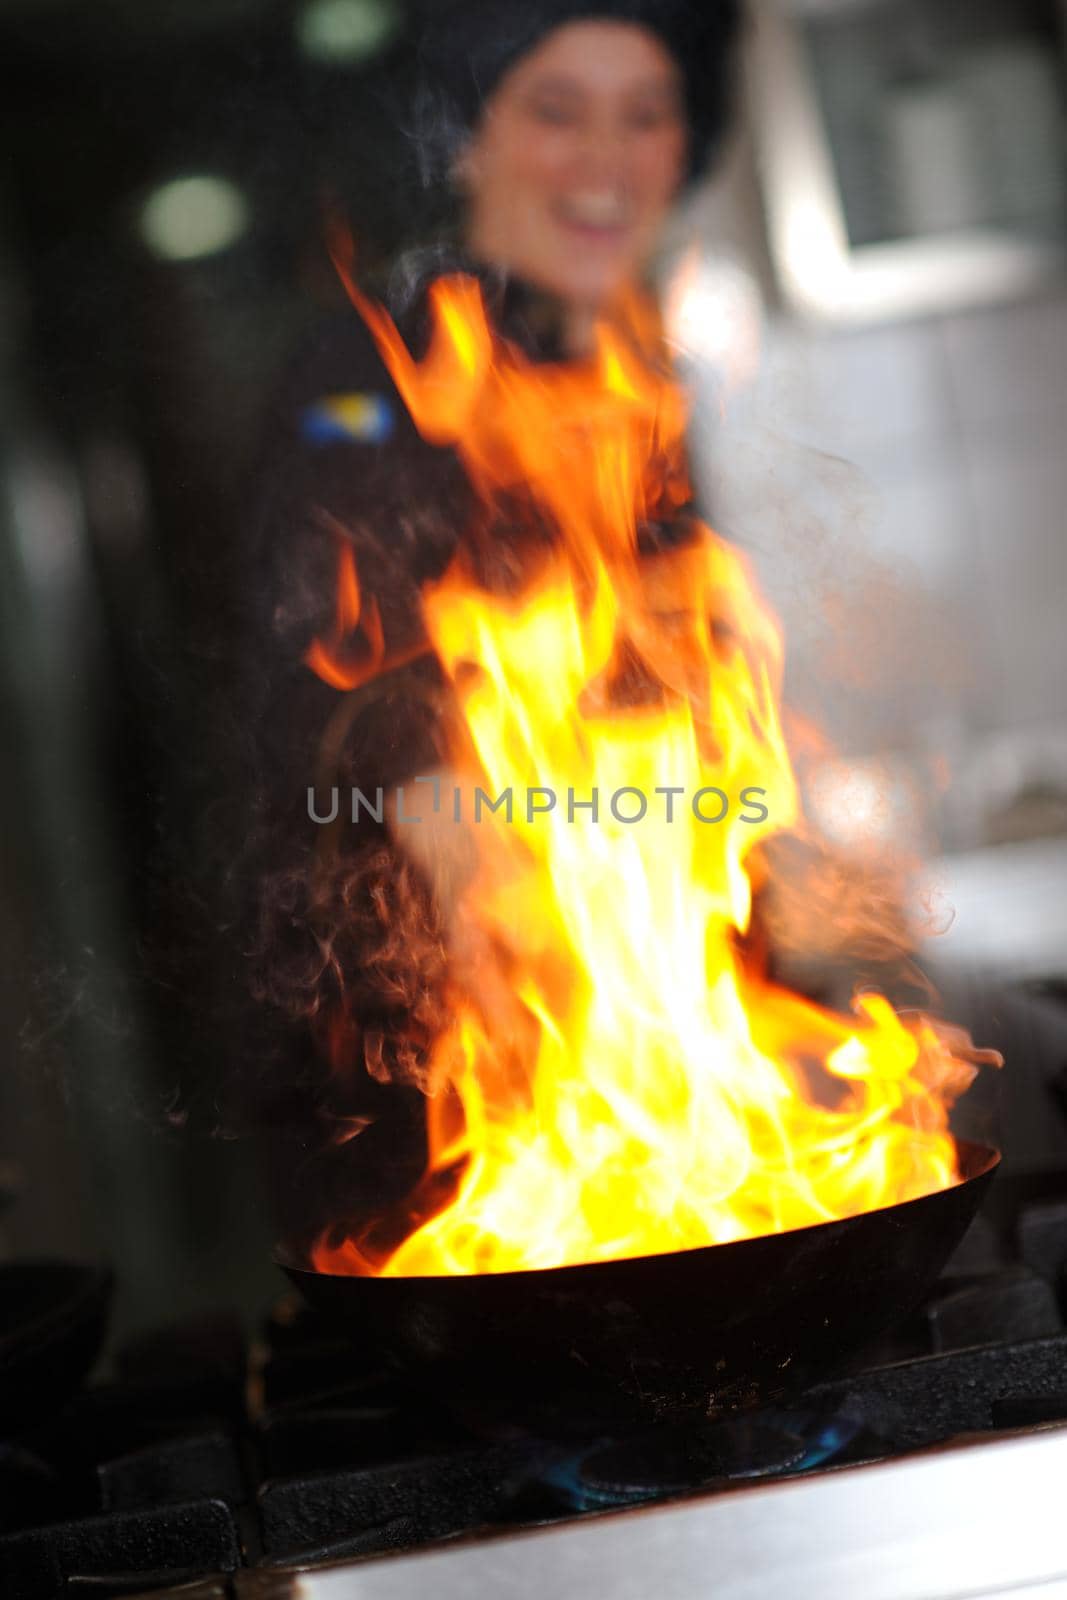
point(977, 1161)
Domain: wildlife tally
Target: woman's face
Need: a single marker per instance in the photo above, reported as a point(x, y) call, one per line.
point(578, 156)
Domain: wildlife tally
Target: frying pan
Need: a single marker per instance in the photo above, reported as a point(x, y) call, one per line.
point(715, 1329)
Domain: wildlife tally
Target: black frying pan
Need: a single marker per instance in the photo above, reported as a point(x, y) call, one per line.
point(714, 1329)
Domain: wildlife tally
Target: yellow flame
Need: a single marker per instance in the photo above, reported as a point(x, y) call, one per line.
point(619, 1076)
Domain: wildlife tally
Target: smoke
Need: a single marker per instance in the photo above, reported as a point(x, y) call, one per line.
point(352, 945)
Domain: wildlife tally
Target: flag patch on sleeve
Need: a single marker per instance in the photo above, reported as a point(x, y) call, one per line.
point(335, 418)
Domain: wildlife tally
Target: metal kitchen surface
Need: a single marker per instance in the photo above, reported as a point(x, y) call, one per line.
point(980, 1519)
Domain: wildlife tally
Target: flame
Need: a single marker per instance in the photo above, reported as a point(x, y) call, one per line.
point(339, 668)
point(619, 1077)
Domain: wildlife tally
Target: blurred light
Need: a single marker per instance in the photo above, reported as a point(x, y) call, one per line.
point(852, 802)
point(343, 32)
point(866, 803)
point(714, 315)
point(192, 217)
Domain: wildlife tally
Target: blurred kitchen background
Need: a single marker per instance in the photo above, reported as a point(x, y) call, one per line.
point(873, 306)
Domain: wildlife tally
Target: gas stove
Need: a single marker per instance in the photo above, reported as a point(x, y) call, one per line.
point(301, 1464)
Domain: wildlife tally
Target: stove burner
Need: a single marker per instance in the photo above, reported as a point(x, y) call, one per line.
point(675, 1460)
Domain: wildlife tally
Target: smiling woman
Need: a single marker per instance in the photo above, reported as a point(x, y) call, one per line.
point(576, 161)
point(568, 129)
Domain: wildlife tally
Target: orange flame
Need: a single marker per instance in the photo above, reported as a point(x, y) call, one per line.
point(348, 669)
point(619, 1076)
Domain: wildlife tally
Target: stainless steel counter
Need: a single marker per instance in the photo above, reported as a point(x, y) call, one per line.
point(967, 1520)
